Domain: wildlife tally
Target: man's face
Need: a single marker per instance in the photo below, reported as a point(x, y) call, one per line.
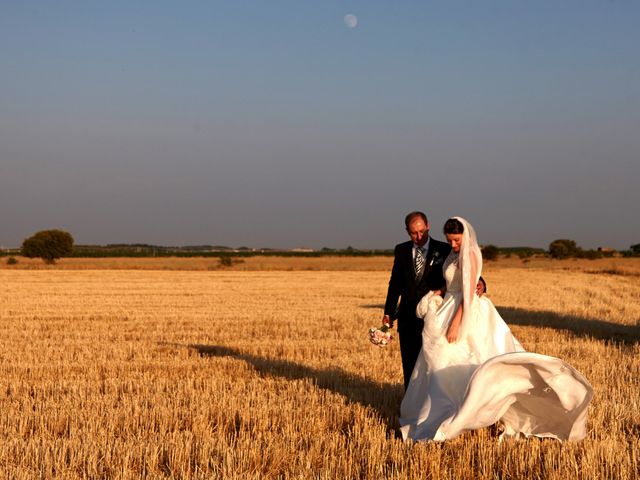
point(418, 231)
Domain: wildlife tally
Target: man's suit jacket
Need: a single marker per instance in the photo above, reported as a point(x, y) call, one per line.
point(403, 285)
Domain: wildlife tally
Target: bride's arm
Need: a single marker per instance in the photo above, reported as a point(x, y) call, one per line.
point(473, 284)
point(454, 326)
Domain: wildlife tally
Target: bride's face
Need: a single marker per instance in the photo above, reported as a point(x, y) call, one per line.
point(455, 240)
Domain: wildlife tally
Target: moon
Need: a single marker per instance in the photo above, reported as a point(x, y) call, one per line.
point(350, 20)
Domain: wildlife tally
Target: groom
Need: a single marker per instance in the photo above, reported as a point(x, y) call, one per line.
point(417, 269)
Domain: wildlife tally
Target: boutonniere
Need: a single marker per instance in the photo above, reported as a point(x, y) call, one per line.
point(434, 258)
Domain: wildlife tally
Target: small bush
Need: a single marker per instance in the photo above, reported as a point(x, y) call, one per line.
point(12, 261)
point(589, 254)
point(490, 252)
point(225, 261)
point(563, 248)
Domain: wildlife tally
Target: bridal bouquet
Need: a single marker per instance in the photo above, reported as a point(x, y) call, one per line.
point(380, 336)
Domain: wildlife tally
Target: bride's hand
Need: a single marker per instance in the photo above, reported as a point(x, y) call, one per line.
point(452, 332)
point(454, 326)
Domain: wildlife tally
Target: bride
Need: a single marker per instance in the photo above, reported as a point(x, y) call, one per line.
point(472, 372)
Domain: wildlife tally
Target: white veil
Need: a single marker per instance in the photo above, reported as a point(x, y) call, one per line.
point(470, 258)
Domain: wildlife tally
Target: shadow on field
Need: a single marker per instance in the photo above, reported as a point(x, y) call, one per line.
point(578, 326)
point(375, 306)
point(384, 398)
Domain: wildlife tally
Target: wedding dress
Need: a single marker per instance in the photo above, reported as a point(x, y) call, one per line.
point(485, 376)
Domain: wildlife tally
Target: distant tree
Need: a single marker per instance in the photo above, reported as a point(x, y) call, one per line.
point(490, 252)
point(563, 248)
point(49, 245)
point(635, 249)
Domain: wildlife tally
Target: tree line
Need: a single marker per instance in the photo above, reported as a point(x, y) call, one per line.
point(51, 245)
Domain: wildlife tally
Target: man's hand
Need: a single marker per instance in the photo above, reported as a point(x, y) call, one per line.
point(481, 288)
point(386, 320)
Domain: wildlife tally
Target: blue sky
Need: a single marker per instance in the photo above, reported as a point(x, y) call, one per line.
point(273, 124)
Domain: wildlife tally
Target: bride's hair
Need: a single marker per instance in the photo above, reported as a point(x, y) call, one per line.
point(453, 225)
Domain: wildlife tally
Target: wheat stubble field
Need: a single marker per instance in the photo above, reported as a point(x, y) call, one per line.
point(178, 369)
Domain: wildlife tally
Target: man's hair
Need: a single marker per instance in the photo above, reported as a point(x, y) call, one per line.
point(412, 216)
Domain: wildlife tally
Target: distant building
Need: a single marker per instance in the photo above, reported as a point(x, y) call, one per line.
point(302, 250)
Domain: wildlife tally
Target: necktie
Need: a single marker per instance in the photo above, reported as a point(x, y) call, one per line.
point(419, 262)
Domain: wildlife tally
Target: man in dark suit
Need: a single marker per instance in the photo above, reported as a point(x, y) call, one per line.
point(417, 269)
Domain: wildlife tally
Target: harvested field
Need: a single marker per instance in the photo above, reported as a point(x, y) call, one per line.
point(263, 370)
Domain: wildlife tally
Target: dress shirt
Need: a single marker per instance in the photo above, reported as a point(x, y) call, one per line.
point(425, 247)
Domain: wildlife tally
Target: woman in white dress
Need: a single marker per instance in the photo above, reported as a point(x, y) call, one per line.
point(472, 372)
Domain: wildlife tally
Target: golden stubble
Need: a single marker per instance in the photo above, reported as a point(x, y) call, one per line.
point(120, 373)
